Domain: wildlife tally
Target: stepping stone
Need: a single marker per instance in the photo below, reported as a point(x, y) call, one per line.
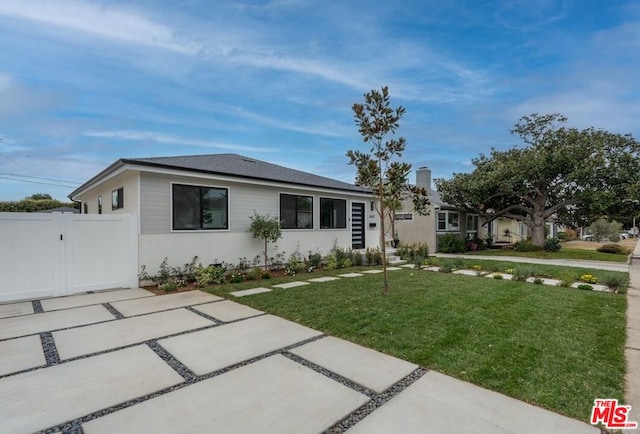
point(432, 268)
point(218, 347)
point(505, 276)
point(595, 286)
point(20, 354)
point(466, 272)
point(163, 302)
point(324, 279)
point(438, 403)
point(114, 334)
point(290, 285)
point(36, 400)
point(393, 268)
point(15, 309)
point(371, 369)
point(274, 395)
point(245, 292)
point(408, 266)
point(95, 298)
point(48, 321)
point(227, 310)
point(550, 282)
point(372, 271)
point(350, 275)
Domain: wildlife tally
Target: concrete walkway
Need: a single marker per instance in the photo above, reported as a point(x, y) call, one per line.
point(632, 349)
point(129, 362)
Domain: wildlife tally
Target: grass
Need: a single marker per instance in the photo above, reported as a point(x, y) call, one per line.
point(564, 253)
point(558, 348)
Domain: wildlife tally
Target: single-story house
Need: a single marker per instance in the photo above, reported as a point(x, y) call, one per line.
point(442, 218)
point(201, 205)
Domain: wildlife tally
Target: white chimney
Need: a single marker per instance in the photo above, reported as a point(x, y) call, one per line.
point(423, 178)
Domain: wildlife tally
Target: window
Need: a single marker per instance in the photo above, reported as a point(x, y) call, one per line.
point(86, 207)
point(99, 204)
point(404, 216)
point(296, 212)
point(472, 223)
point(198, 207)
point(117, 198)
point(333, 213)
point(449, 221)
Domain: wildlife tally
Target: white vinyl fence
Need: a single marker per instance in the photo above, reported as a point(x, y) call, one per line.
point(46, 255)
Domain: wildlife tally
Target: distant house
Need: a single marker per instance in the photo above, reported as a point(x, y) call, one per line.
point(62, 209)
point(442, 218)
point(201, 205)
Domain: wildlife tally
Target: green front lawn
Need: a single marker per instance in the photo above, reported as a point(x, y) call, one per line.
point(587, 255)
point(558, 348)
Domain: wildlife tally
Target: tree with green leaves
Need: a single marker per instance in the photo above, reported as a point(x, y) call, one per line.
point(571, 174)
point(376, 169)
point(267, 229)
point(34, 203)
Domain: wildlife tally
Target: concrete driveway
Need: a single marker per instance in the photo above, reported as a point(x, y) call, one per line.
point(126, 361)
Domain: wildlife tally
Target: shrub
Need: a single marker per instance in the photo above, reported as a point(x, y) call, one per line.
point(615, 282)
point(314, 259)
point(356, 258)
point(613, 248)
point(603, 229)
point(521, 273)
point(552, 244)
point(374, 256)
point(446, 267)
point(538, 281)
point(458, 263)
point(330, 262)
point(526, 246)
point(498, 276)
point(212, 274)
point(588, 278)
point(346, 263)
point(236, 278)
point(451, 243)
point(169, 286)
point(409, 252)
point(585, 287)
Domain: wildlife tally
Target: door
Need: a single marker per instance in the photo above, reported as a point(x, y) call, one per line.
point(357, 226)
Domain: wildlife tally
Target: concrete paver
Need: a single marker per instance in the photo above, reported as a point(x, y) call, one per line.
point(48, 321)
point(437, 403)
point(227, 310)
point(99, 337)
point(216, 348)
point(324, 279)
point(45, 397)
point(57, 303)
point(290, 285)
point(15, 309)
point(371, 369)
point(141, 306)
point(20, 354)
point(350, 275)
point(245, 292)
point(376, 271)
point(274, 395)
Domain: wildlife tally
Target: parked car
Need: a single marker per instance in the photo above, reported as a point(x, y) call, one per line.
point(591, 237)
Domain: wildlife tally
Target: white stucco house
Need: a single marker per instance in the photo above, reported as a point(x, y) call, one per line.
point(201, 205)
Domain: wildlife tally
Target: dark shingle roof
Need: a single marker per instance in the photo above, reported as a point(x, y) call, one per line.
point(234, 165)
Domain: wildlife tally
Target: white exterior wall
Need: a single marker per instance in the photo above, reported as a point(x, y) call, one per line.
point(158, 240)
point(128, 180)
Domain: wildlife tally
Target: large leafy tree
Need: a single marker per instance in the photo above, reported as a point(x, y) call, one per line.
point(35, 202)
point(571, 174)
point(388, 179)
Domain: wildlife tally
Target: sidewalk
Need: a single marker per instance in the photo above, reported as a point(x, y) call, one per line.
point(632, 349)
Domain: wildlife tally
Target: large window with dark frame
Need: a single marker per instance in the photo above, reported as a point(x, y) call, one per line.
point(200, 207)
point(296, 212)
point(333, 213)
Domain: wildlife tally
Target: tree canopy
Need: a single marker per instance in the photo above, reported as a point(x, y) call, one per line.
point(565, 173)
point(376, 169)
point(35, 202)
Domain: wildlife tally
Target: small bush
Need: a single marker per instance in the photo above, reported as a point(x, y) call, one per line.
point(613, 248)
point(314, 259)
point(374, 256)
point(451, 243)
point(212, 274)
point(585, 287)
point(588, 278)
point(446, 267)
point(169, 286)
point(538, 281)
point(418, 262)
point(356, 258)
point(615, 282)
point(520, 273)
point(498, 276)
point(526, 246)
point(552, 245)
point(236, 278)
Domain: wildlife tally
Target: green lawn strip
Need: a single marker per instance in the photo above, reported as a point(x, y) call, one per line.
point(559, 348)
point(586, 255)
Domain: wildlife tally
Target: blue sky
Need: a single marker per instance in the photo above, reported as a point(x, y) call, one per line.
point(85, 82)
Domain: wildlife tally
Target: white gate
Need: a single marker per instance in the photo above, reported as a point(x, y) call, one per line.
point(46, 255)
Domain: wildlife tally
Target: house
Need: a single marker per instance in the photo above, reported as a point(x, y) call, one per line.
point(442, 218)
point(201, 205)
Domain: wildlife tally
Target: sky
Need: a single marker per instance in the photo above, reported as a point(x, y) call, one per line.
point(85, 82)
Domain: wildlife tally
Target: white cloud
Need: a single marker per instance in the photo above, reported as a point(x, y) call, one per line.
point(168, 139)
point(99, 20)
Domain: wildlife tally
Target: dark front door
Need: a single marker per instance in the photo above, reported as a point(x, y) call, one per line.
point(357, 225)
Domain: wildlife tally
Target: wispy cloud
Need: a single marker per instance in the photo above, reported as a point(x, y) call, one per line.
point(168, 139)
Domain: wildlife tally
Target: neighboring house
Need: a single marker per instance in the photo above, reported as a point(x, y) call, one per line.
point(442, 218)
point(507, 230)
point(201, 205)
point(62, 209)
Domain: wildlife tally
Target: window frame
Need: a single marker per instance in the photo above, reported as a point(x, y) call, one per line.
point(335, 220)
point(201, 226)
point(475, 217)
point(403, 216)
point(296, 211)
point(117, 199)
point(448, 227)
point(99, 204)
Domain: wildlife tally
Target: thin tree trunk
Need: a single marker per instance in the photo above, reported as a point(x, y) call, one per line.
point(265, 255)
point(382, 236)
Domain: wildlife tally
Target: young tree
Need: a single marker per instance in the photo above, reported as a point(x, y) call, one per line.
point(386, 178)
point(265, 228)
point(576, 175)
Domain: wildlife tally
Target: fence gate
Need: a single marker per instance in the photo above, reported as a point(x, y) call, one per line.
point(47, 255)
